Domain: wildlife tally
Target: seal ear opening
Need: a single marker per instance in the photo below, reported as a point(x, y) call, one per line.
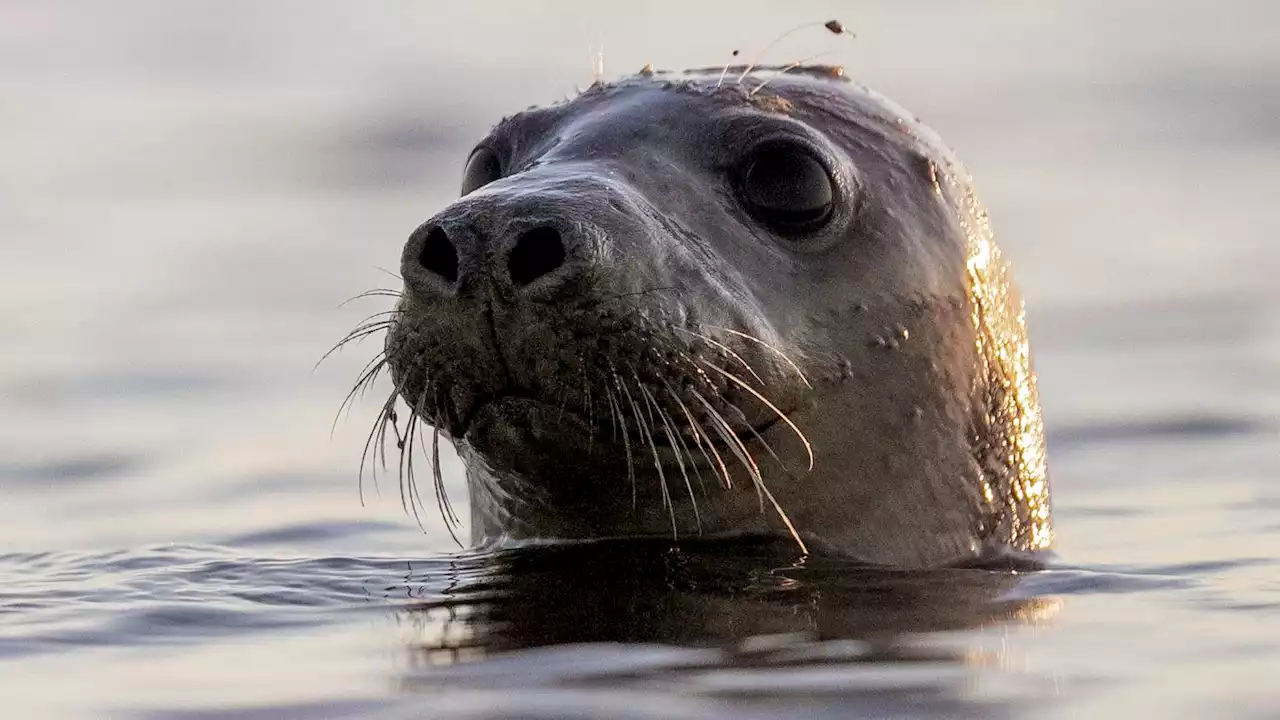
point(786, 188)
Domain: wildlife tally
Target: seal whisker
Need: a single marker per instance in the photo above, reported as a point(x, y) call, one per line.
point(597, 64)
point(626, 438)
point(648, 431)
point(375, 292)
point(359, 333)
point(637, 293)
point(719, 417)
point(422, 443)
point(613, 413)
point(669, 419)
point(646, 434)
point(733, 442)
point(781, 415)
point(380, 313)
point(379, 359)
point(787, 69)
point(728, 481)
point(365, 326)
point(376, 433)
point(364, 454)
point(697, 437)
point(392, 418)
point(364, 381)
point(442, 495)
point(756, 434)
point(704, 442)
point(366, 378)
point(405, 445)
point(724, 348)
point(835, 26)
point(724, 468)
point(562, 402)
point(725, 71)
point(451, 520)
point(787, 359)
point(591, 408)
point(368, 322)
point(676, 445)
point(388, 272)
point(726, 431)
point(356, 335)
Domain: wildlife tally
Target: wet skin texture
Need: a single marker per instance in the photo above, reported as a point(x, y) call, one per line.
point(658, 304)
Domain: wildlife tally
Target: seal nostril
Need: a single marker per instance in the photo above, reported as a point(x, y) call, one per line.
point(439, 256)
point(536, 253)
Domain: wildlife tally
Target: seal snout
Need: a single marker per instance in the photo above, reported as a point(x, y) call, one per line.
point(517, 249)
point(534, 255)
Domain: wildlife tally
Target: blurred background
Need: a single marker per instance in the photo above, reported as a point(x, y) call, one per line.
point(188, 191)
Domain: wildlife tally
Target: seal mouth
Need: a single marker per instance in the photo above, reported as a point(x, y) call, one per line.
point(463, 422)
point(524, 407)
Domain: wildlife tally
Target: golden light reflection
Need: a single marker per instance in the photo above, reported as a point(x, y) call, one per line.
point(1039, 611)
point(1015, 461)
point(445, 634)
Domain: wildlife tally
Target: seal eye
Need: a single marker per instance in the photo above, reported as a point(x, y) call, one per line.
point(482, 168)
point(786, 188)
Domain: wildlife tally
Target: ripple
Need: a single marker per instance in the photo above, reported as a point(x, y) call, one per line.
point(1127, 432)
point(1124, 579)
point(335, 710)
point(302, 533)
point(186, 593)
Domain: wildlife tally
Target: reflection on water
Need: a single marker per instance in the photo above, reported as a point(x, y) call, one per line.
point(708, 594)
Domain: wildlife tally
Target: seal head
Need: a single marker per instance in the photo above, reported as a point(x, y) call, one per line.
point(677, 305)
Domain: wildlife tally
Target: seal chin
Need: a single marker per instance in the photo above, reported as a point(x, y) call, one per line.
point(514, 431)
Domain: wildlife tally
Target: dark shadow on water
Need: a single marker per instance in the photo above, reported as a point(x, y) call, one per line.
point(712, 617)
point(708, 594)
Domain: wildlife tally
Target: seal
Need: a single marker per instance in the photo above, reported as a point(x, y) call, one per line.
point(700, 303)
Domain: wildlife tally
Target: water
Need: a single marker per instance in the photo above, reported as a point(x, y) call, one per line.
point(187, 192)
